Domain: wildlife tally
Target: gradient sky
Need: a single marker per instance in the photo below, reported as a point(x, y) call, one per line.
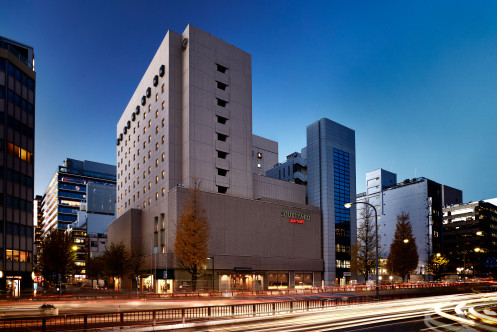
point(416, 80)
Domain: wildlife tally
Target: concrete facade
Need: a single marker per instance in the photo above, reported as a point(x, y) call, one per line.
point(421, 198)
point(191, 118)
point(264, 154)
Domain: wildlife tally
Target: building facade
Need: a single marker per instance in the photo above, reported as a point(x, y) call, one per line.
point(190, 119)
point(17, 145)
point(470, 238)
point(68, 190)
point(422, 199)
point(330, 185)
point(294, 169)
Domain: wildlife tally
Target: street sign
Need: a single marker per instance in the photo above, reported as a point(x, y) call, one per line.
point(347, 274)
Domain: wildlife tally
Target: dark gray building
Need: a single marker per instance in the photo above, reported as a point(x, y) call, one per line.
point(17, 123)
point(330, 185)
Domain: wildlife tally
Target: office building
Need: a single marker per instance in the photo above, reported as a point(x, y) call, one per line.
point(421, 198)
point(330, 185)
point(191, 118)
point(89, 230)
point(294, 169)
point(470, 238)
point(68, 190)
point(17, 145)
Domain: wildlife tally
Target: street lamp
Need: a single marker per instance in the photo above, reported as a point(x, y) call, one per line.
point(348, 206)
point(209, 258)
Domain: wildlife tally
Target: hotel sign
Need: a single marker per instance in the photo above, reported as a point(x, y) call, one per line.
point(295, 217)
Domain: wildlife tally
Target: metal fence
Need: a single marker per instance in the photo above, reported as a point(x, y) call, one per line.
point(268, 293)
point(97, 321)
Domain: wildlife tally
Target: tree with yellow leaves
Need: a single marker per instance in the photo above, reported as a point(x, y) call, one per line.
point(192, 234)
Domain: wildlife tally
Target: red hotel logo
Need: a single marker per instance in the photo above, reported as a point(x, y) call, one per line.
point(296, 218)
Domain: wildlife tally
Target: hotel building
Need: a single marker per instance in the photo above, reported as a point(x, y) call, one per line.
point(191, 118)
point(17, 145)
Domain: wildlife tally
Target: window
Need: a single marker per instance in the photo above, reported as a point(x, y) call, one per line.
point(222, 172)
point(221, 154)
point(221, 85)
point(156, 162)
point(221, 119)
point(156, 146)
point(163, 156)
point(149, 138)
point(163, 191)
point(221, 68)
point(163, 173)
point(259, 165)
point(163, 123)
point(156, 196)
point(149, 92)
point(156, 80)
point(144, 174)
point(221, 137)
point(162, 139)
point(156, 113)
point(149, 123)
point(162, 88)
point(156, 179)
point(149, 169)
point(222, 190)
point(221, 102)
point(149, 154)
point(156, 96)
point(149, 185)
point(157, 129)
point(144, 189)
point(259, 155)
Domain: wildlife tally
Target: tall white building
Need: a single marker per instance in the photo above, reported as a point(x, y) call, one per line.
point(421, 198)
point(191, 118)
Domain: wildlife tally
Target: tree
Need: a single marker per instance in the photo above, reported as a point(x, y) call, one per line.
point(116, 259)
point(192, 235)
point(403, 257)
point(56, 255)
point(363, 254)
point(95, 267)
point(438, 264)
point(135, 263)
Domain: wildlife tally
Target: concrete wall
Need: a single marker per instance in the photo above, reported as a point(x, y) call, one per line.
point(277, 189)
point(268, 156)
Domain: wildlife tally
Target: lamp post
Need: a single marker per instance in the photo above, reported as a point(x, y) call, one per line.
point(348, 206)
point(212, 258)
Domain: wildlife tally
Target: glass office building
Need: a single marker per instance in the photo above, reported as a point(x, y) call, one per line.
point(67, 190)
point(17, 123)
point(331, 184)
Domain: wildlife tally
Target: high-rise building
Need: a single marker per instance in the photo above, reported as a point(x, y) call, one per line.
point(68, 189)
point(422, 199)
point(191, 118)
point(330, 185)
point(17, 145)
point(469, 238)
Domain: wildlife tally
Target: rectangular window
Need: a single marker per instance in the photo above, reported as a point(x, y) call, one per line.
point(221, 85)
point(221, 102)
point(222, 190)
point(222, 137)
point(222, 154)
point(221, 119)
point(221, 68)
point(222, 172)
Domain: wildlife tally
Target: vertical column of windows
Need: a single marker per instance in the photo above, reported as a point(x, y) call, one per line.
point(341, 169)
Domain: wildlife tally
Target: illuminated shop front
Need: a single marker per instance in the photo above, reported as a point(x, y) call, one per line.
point(241, 282)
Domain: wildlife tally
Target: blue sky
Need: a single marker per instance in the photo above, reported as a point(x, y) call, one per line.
point(416, 80)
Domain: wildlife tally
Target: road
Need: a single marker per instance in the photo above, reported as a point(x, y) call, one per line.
point(421, 314)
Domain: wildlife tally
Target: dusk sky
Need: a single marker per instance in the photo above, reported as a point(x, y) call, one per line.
point(416, 80)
